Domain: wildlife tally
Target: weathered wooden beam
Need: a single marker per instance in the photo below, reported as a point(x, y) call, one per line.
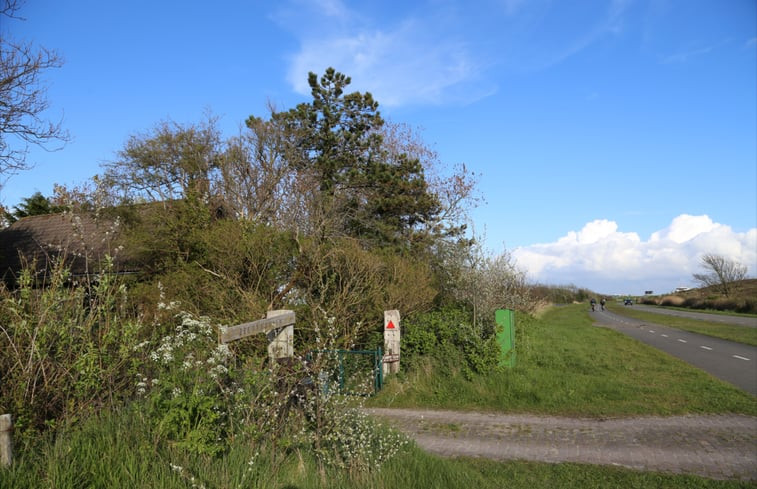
point(282, 319)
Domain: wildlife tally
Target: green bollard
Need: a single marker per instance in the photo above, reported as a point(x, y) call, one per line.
point(505, 319)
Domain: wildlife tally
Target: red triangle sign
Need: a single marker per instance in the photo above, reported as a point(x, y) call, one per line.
point(390, 325)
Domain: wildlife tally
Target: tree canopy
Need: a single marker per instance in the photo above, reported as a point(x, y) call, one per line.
point(35, 205)
point(380, 196)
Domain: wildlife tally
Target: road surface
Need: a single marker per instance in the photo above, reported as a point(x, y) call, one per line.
point(714, 446)
point(702, 316)
point(733, 362)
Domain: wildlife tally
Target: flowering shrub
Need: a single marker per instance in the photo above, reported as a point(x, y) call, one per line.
point(347, 438)
point(198, 399)
point(190, 393)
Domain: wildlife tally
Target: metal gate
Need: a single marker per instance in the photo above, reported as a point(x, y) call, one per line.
point(352, 365)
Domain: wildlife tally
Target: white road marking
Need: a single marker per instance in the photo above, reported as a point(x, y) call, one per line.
point(706, 347)
point(664, 336)
point(651, 331)
point(682, 341)
point(740, 357)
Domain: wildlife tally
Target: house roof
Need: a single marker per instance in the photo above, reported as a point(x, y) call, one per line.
point(81, 240)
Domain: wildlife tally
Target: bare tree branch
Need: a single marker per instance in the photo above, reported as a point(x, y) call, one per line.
point(23, 99)
point(720, 272)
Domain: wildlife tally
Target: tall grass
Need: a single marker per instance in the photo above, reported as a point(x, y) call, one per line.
point(567, 366)
point(66, 347)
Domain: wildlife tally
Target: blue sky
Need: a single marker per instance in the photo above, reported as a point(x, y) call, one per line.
point(615, 140)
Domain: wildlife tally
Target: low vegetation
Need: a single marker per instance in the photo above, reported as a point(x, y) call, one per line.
point(566, 366)
point(742, 298)
point(118, 380)
point(118, 451)
point(154, 440)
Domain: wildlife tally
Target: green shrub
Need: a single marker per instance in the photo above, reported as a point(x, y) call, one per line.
point(744, 306)
point(449, 336)
point(560, 294)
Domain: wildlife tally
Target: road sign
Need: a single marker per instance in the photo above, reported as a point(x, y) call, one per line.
point(276, 320)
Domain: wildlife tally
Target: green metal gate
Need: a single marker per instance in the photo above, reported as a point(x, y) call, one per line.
point(351, 364)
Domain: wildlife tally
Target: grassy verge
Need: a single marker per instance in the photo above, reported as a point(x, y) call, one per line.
point(741, 334)
point(119, 451)
point(714, 312)
point(567, 366)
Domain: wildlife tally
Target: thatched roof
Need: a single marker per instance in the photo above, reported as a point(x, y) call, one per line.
point(80, 239)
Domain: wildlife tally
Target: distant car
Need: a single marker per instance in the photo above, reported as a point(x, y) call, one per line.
point(627, 302)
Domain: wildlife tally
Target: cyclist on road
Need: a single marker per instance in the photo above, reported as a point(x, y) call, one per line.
point(593, 302)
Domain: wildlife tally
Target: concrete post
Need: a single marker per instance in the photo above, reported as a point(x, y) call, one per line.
point(391, 342)
point(280, 340)
point(6, 440)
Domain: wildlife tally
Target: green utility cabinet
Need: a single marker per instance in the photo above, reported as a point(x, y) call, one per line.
point(505, 319)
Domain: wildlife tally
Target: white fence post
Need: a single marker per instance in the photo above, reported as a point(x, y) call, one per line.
point(280, 340)
point(6, 440)
point(391, 342)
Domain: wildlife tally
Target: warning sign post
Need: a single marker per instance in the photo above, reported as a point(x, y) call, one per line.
point(391, 342)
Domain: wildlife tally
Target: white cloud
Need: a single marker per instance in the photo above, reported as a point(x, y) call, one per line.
point(411, 59)
point(685, 228)
point(332, 8)
point(399, 67)
point(601, 258)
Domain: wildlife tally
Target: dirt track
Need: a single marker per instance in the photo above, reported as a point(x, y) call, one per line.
point(714, 446)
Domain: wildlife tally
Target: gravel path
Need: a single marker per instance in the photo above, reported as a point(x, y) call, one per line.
point(714, 446)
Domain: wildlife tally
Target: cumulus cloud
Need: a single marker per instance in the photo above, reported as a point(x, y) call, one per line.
point(602, 258)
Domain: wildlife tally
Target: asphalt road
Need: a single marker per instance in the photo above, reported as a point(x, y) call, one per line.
point(702, 316)
point(732, 362)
